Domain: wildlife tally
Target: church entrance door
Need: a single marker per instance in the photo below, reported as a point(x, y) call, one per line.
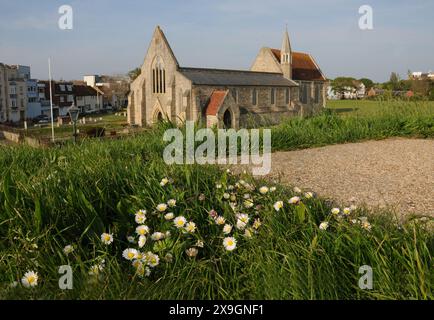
point(227, 119)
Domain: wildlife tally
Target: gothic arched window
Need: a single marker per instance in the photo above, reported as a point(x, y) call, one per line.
point(158, 76)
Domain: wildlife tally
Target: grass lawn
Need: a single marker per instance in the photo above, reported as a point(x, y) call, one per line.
point(229, 241)
point(107, 121)
point(370, 107)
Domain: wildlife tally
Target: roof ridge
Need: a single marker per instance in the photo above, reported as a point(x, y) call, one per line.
point(229, 70)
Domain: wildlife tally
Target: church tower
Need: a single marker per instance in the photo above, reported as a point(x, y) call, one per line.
point(286, 56)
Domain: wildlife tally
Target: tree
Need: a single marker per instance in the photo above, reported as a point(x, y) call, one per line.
point(341, 84)
point(133, 74)
point(394, 81)
point(367, 82)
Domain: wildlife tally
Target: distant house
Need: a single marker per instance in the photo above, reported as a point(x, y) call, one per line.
point(357, 91)
point(87, 99)
point(114, 88)
point(374, 92)
point(422, 75)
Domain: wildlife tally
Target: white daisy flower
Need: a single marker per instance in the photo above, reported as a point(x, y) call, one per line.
point(68, 249)
point(192, 252)
point(152, 259)
point(30, 279)
point(248, 203)
point(157, 236)
point(308, 195)
point(218, 186)
point(140, 217)
point(227, 229)
point(347, 211)
point(169, 216)
point(147, 272)
point(241, 225)
point(137, 264)
point(220, 220)
point(336, 211)
point(366, 225)
point(243, 217)
point(107, 238)
point(130, 254)
point(142, 241)
point(167, 234)
point(264, 190)
point(226, 195)
point(168, 258)
point(278, 205)
point(190, 227)
point(324, 225)
point(199, 244)
point(231, 187)
point(248, 233)
point(272, 189)
point(131, 239)
point(96, 269)
point(164, 181)
point(142, 230)
point(171, 203)
point(297, 190)
point(230, 243)
point(180, 222)
point(294, 200)
point(162, 207)
point(257, 224)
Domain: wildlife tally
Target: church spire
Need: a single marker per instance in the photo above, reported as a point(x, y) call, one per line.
point(286, 56)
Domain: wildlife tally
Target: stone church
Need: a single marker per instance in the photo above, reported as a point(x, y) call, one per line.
point(281, 83)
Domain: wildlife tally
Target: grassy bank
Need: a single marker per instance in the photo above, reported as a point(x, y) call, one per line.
point(373, 120)
point(50, 199)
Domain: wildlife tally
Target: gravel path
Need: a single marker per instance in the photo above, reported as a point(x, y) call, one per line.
point(397, 174)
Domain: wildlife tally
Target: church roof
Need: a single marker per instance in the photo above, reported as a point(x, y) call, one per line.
point(215, 102)
point(304, 66)
point(220, 77)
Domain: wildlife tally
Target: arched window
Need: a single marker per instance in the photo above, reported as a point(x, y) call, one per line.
point(158, 76)
point(254, 97)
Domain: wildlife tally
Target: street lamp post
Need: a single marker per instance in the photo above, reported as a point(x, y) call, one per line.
point(74, 113)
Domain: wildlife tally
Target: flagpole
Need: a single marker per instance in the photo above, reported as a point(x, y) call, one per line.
point(51, 99)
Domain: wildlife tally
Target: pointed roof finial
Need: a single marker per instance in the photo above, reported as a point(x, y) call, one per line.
point(286, 44)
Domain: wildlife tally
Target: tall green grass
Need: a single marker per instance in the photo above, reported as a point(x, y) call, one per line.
point(383, 120)
point(55, 197)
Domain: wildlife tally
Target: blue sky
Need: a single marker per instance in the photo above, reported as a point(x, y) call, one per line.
point(112, 36)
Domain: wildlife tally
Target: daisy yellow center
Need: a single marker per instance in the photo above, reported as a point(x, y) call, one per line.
point(230, 243)
point(130, 255)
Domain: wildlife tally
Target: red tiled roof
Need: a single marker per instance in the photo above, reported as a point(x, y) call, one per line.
point(215, 102)
point(303, 66)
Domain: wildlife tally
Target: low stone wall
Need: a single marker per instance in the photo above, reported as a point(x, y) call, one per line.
point(11, 136)
point(36, 143)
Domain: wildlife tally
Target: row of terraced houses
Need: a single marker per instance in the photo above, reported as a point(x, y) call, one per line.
point(23, 98)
